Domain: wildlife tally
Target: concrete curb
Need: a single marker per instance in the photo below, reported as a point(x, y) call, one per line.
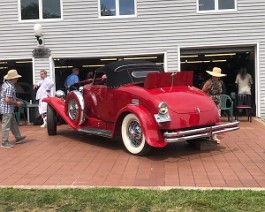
point(163, 188)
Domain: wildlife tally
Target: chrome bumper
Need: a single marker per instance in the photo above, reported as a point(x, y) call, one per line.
point(205, 132)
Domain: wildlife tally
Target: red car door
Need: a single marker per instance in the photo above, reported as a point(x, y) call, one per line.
point(101, 103)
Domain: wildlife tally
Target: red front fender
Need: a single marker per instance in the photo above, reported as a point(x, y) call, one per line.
point(150, 129)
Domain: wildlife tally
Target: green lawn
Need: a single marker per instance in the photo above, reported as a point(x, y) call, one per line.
point(115, 199)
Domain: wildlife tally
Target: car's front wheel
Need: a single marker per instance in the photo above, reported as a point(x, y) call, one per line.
point(133, 137)
point(51, 121)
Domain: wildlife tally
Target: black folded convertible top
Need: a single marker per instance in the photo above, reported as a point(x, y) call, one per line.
point(127, 72)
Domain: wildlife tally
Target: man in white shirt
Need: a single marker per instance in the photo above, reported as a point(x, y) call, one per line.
point(44, 90)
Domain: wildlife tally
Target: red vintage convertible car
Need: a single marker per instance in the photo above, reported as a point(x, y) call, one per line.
point(141, 103)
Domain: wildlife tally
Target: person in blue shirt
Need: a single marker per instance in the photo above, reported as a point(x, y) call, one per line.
point(71, 79)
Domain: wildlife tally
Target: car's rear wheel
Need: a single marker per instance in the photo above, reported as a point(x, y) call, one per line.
point(133, 137)
point(51, 121)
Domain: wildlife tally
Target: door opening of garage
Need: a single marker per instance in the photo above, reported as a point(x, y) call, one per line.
point(24, 84)
point(230, 60)
point(64, 66)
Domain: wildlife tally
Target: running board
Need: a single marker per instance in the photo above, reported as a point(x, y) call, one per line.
point(96, 131)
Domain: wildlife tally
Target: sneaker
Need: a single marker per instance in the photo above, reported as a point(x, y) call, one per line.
point(7, 145)
point(20, 140)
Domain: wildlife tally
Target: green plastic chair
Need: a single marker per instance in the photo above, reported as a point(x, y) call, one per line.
point(227, 104)
point(21, 111)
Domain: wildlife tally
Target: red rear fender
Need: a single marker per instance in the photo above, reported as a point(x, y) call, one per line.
point(150, 129)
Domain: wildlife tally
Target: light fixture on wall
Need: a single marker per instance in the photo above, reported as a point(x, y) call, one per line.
point(38, 34)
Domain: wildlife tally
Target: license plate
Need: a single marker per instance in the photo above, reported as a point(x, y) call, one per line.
point(162, 118)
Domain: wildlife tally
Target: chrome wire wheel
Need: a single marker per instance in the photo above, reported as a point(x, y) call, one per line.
point(133, 136)
point(135, 133)
point(73, 109)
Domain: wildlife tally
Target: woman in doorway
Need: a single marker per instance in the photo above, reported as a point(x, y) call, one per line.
point(213, 87)
point(244, 82)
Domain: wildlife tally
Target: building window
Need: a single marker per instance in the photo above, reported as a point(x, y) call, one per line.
point(216, 5)
point(40, 9)
point(117, 8)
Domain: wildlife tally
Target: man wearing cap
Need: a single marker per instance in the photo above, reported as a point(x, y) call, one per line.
point(214, 87)
point(8, 103)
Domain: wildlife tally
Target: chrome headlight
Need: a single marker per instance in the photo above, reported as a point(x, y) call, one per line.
point(81, 88)
point(60, 94)
point(162, 108)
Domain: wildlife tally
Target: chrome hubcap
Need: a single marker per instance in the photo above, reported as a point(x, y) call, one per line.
point(135, 133)
point(73, 109)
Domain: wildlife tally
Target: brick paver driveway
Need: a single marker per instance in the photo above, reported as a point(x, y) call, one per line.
point(75, 159)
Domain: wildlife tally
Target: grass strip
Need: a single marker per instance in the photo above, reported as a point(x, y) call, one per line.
point(117, 199)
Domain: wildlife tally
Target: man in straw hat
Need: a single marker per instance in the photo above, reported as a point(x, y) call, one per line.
point(214, 87)
point(8, 103)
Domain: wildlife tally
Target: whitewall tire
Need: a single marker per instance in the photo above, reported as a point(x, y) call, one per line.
point(133, 137)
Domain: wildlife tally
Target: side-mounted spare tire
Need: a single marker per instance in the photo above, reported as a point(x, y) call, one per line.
point(51, 121)
point(74, 107)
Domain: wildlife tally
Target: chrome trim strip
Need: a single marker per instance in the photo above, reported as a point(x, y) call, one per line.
point(225, 130)
point(185, 138)
point(226, 125)
point(187, 132)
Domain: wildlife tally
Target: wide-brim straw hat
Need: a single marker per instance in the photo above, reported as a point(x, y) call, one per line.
point(216, 72)
point(12, 74)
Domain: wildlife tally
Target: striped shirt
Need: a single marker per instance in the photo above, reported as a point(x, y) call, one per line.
point(8, 90)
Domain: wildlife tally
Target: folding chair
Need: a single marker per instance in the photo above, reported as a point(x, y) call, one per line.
point(227, 104)
point(243, 102)
point(21, 111)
